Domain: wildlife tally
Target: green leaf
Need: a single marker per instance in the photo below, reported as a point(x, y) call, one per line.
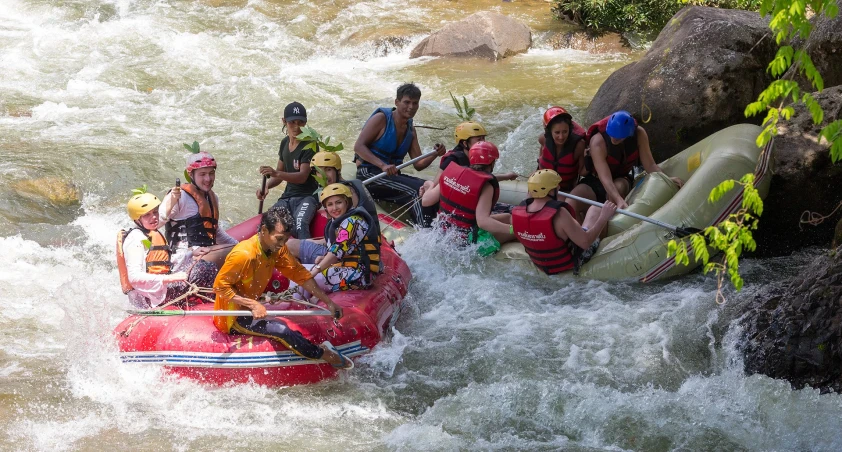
point(718, 191)
point(833, 134)
point(187, 177)
point(456, 103)
point(320, 176)
point(139, 191)
point(831, 10)
point(146, 243)
point(194, 148)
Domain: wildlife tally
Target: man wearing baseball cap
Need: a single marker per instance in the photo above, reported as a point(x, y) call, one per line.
point(294, 168)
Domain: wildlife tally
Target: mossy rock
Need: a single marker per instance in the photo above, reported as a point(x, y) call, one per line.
point(57, 191)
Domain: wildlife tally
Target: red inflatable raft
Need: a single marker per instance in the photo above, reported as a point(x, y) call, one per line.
point(193, 347)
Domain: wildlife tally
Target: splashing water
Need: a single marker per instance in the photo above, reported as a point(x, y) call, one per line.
point(486, 354)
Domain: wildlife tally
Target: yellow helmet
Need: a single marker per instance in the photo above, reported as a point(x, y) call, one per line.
point(140, 205)
point(333, 190)
point(327, 159)
point(469, 129)
point(542, 182)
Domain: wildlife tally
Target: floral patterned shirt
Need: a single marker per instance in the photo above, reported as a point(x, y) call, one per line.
point(349, 235)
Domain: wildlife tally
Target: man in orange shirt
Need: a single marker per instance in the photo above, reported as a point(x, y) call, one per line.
point(246, 272)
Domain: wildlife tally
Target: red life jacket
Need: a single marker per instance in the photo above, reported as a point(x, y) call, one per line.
point(621, 158)
point(460, 190)
point(535, 231)
point(458, 155)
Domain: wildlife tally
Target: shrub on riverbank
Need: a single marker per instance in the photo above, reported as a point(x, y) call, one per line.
point(646, 17)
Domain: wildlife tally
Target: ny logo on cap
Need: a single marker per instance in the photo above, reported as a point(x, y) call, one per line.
point(295, 110)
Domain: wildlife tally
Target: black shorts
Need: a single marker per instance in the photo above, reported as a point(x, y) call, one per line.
point(592, 180)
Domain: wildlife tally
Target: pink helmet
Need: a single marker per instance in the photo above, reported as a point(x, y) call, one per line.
point(200, 160)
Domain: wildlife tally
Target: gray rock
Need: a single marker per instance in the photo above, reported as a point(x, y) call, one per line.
point(485, 35)
point(825, 48)
point(805, 180)
point(582, 40)
point(705, 66)
point(793, 331)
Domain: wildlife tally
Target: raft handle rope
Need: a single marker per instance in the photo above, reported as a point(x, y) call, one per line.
point(815, 218)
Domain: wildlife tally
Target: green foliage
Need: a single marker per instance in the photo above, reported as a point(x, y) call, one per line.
point(464, 112)
point(146, 243)
point(730, 237)
point(139, 191)
point(316, 141)
point(789, 19)
point(320, 176)
point(833, 134)
point(646, 17)
point(193, 148)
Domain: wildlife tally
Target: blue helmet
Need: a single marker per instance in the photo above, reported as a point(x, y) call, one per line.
point(621, 125)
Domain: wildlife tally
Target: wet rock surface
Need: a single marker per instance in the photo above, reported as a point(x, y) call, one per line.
point(793, 331)
point(705, 66)
point(484, 35)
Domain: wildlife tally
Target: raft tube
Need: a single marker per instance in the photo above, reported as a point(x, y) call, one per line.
point(194, 348)
point(635, 249)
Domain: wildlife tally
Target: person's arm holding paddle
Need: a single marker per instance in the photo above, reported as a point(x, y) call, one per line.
point(599, 154)
point(575, 232)
point(372, 130)
point(415, 151)
point(272, 182)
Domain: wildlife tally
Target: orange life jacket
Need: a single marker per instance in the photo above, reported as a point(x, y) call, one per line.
point(200, 229)
point(157, 257)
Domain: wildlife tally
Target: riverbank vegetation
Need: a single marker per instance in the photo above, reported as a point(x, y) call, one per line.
point(645, 17)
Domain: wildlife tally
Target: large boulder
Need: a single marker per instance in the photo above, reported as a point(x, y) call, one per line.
point(485, 34)
point(793, 331)
point(706, 65)
point(825, 48)
point(805, 180)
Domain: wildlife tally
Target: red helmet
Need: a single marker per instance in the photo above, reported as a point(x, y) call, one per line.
point(483, 153)
point(552, 112)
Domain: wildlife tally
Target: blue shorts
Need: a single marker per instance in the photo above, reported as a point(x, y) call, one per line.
point(308, 251)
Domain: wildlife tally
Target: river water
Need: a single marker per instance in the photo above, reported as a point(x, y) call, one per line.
point(96, 98)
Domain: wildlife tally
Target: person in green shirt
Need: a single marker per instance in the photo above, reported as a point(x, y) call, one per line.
point(294, 169)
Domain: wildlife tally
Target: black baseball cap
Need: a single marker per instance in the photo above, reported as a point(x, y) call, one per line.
point(295, 111)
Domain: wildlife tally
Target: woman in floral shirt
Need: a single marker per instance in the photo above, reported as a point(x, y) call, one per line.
point(353, 257)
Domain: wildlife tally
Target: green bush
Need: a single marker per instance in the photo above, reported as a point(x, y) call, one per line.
point(646, 17)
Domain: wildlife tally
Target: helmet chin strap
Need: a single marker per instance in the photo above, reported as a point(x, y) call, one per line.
point(141, 227)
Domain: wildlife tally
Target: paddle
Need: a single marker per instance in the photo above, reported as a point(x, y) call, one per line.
point(262, 190)
point(679, 232)
point(174, 312)
point(401, 166)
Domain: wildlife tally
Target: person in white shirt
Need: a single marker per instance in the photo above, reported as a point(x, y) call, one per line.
point(192, 221)
point(144, 259)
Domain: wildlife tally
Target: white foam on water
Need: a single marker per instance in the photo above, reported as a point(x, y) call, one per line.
point(486, 355)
